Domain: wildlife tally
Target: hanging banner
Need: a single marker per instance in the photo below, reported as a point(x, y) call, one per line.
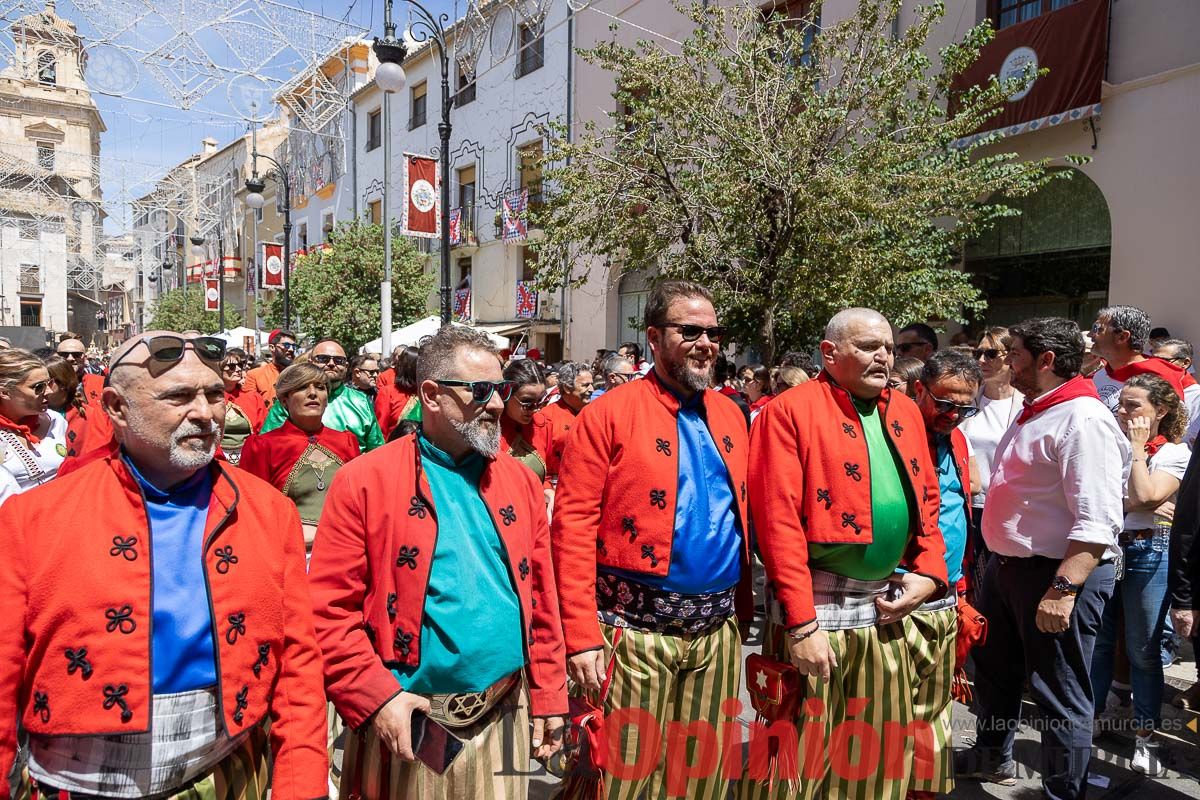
point(527, 300)
point(1071, 42)
point(212, 295)
point(462, 304)
point(455, 227)
point(421, 214)
point(272, 269)
point(512, 210)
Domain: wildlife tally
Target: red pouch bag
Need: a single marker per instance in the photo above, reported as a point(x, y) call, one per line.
point(585, 740)
point(776, 691)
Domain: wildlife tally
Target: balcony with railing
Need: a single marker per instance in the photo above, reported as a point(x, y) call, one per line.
point(463, 227)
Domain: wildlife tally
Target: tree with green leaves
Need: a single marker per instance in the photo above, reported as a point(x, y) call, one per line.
point(793, 169)
point(183, 310)
point(335, 290)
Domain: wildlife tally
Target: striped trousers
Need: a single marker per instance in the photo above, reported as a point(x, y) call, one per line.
point(493, 764)
point(931, 636)
point(665, 705)
point(858, 735)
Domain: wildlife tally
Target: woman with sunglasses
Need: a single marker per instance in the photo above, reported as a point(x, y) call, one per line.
point(757, 388)
point(33, 439)
point(244, 411)
point(301, 457)
point(999, 404)
point(521, 415)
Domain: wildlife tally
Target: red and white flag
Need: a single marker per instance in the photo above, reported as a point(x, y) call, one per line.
point(272, 266)
point(422, 206)
point(212, 295)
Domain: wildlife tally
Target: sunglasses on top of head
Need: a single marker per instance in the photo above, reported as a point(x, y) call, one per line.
point(692, 333)
point(481, 391)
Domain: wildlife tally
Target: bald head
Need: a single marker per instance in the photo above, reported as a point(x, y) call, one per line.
point(843, 322)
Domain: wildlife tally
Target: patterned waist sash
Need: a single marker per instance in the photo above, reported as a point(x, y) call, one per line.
point(626, 603)
point(185, 741)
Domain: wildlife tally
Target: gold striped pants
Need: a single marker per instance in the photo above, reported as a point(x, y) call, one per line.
point(931, 636)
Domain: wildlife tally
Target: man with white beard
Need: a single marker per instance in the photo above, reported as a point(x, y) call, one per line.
point(434, 593)
point(167, 597)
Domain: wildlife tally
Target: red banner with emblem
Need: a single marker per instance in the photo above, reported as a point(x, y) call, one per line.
point(272, 266)
point(421, 215)
point(212, 295)
point(1071, 43)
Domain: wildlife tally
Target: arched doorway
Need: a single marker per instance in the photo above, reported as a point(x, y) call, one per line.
point(1052, 260)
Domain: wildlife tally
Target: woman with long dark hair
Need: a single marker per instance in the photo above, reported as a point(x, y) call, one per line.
point(521, 414)
point(397, 398)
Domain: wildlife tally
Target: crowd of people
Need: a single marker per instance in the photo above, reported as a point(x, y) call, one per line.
point(325, 574)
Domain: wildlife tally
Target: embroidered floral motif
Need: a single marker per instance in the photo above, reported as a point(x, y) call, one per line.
point(120, 619)
point(897, 428)
point(403, 642)
point(237, 626)
point(523, 568)
point(41, 706)
point(416, 508)
point(725, 440)
point(508, 515)
point(852, 471)
point(658, 497)
point(77, 660)
point(115, 696)
point(823, 497)
point(408, 557)
point(648, 553)
point(264, 654)
point(848, 522)
point(391, 605)
point(242, 703)
point(628, 526)
point(916, 469)
point(124, 547)
point(225, 558)
point(848, 429)
point(662, 446)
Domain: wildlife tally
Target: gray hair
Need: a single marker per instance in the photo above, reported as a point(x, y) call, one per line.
point(952, 363)
point(438, 352)
point(568, 372)
point(839, 325)
point(611, 364)
point(1131, 319)
point(1181, 347)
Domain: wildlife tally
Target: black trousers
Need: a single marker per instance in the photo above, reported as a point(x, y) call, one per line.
point(1056, 665)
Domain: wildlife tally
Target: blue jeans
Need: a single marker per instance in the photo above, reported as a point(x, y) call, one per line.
point(1142, 596)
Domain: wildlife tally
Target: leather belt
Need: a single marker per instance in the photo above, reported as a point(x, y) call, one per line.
point(1128, 537)
point(461, 709)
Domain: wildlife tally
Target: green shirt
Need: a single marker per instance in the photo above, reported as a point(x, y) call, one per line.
point(892, 509)
point(471, 632)
point(348, 410)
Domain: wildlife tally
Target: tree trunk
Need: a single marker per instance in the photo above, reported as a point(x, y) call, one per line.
point(766, 335)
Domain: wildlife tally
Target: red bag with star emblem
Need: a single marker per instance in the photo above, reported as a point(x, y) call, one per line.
point(776, 688)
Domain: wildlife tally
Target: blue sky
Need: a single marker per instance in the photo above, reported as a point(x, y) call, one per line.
point(162, 134)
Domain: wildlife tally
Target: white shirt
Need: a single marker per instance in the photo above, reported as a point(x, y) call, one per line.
point(1109, 388)
point(1191, 399)
point(47, 456)
point(1058, 478)
point(1172, 459)
point(983, 432)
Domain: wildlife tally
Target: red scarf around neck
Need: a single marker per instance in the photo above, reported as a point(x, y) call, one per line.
point(1155, 444)
point(25, 431)
point(1076, 387)
point(1169, 372)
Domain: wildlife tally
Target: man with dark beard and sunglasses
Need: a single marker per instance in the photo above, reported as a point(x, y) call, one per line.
point(434, 593)
point(167, 593)
point(651, 546)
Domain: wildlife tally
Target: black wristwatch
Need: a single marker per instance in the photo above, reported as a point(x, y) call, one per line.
point(1062, 584)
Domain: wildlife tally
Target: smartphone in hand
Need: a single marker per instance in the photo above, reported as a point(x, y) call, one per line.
point(433, 744)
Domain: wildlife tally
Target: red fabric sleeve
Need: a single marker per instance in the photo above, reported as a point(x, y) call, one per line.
point(547, 652)
point(777, 478)
point(256, 457)
point(14, 600)
point(356, 680)
point(299, 747)
point(926, 555)
point(576, 527)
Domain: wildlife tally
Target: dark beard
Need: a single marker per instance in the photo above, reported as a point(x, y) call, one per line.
point(689, 379)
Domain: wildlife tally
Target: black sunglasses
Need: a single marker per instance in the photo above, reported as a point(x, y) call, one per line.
point(945, 407)
point(990, 353)
point(234, 366)
point(481, 391)
point(170, 349)
point(530, 406)
point(71, 356)
point(39, 388)
point(341, 361)
point(691, 333)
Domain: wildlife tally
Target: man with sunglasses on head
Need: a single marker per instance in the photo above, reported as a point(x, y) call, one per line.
point(946, 395)
point(262, 378)
point(348, 408)
point(846, 511)
point(167, 594)
point(435, 595)
point(651, 546)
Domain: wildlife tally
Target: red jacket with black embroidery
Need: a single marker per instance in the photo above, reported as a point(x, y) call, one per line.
point(550, 429)
point(370, 571)
point(811, 481)
point(615, 504)
point(76, 586)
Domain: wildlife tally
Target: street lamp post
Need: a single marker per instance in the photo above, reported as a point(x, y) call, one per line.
point(390, 77)
point(255, 186)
